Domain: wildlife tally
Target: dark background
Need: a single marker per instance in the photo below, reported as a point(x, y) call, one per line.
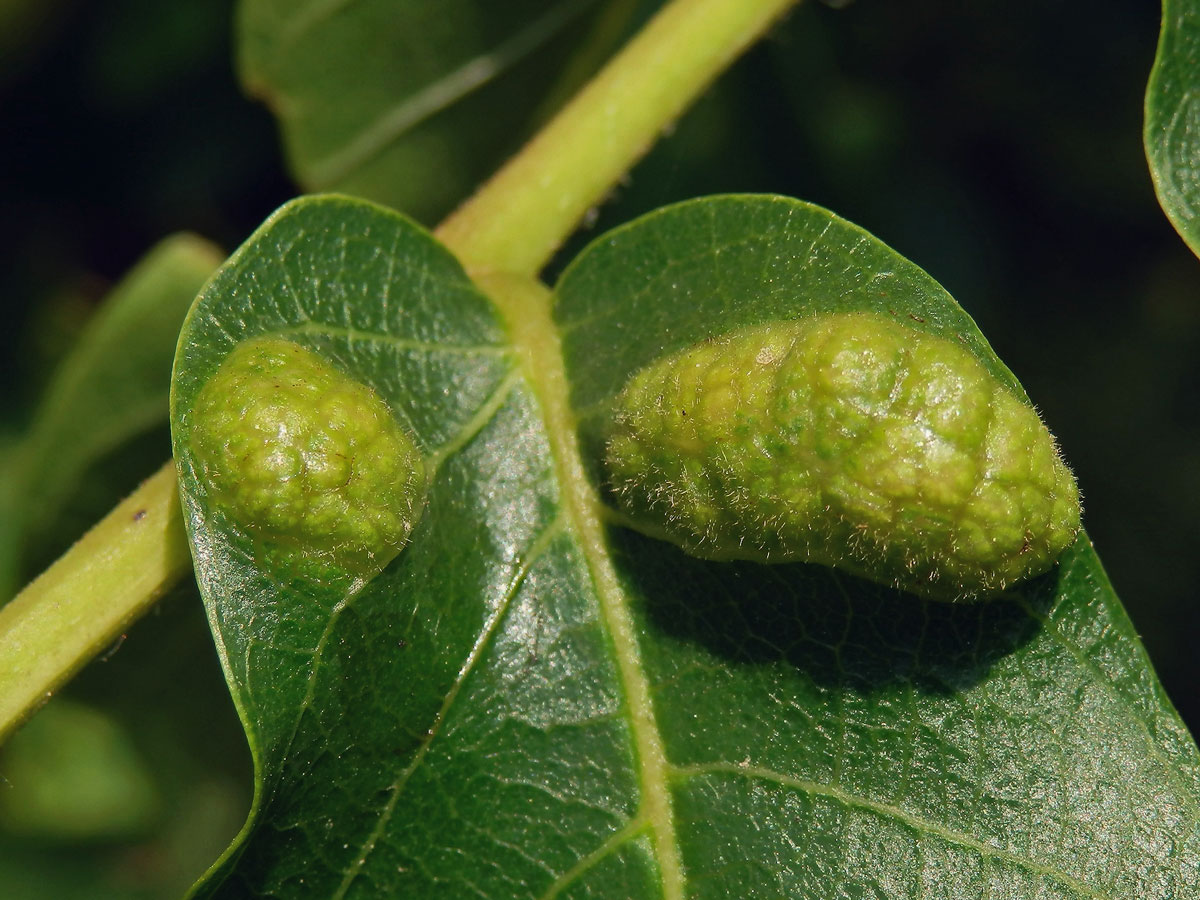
point(997, 145)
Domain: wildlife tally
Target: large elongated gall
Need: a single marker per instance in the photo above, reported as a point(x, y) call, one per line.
point(848, 440)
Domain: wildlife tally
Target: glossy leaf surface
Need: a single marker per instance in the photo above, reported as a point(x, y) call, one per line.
point(1172, 132)
point(530, 703)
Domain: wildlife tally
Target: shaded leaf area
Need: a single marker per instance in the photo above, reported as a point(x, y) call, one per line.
point(849, 740)
point(109, 390)
point(1172, 127)
point(474, 722)
point(413, 104)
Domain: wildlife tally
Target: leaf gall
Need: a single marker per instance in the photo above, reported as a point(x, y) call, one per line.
point(306, 459)
point(847, 440)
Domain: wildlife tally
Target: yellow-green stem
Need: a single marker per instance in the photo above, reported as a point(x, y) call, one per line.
point(79, 605)
point(518, 218)
point(83, 602)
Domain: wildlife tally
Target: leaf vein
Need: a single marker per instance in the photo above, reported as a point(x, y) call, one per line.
point(607, 848)
point(526, 306)
point(886, 810)
point(486, 412)
point(537, 549)
point(442, 93)
point(321, 329)
point(1171, 772)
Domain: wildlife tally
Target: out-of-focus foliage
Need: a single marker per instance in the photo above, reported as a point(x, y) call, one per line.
point(160, 756)
point(108, 391)
point(1173, 118)
point(971, 137)
point(413, 103)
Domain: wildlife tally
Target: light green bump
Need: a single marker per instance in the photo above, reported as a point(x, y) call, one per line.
point(848, 440)
point(306, 459)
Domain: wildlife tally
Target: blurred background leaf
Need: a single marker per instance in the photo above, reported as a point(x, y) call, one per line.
point(107, 392)
point(75, 775)
point(1173, 118)
point(973, 138)
point(161, 754)
point(412, 103)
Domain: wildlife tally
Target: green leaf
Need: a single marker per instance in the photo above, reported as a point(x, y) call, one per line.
point(398, 102)
point(109, 389)
point(530, 703)
point(1172, 127)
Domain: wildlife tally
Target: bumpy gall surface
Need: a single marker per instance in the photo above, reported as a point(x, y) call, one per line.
point(306, 458)
point(847, 440)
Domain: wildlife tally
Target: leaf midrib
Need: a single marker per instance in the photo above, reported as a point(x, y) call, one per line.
point(526, 304)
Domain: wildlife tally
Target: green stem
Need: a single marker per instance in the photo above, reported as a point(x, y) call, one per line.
point(518, 218)
point(83, 602)
point(513, 224)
